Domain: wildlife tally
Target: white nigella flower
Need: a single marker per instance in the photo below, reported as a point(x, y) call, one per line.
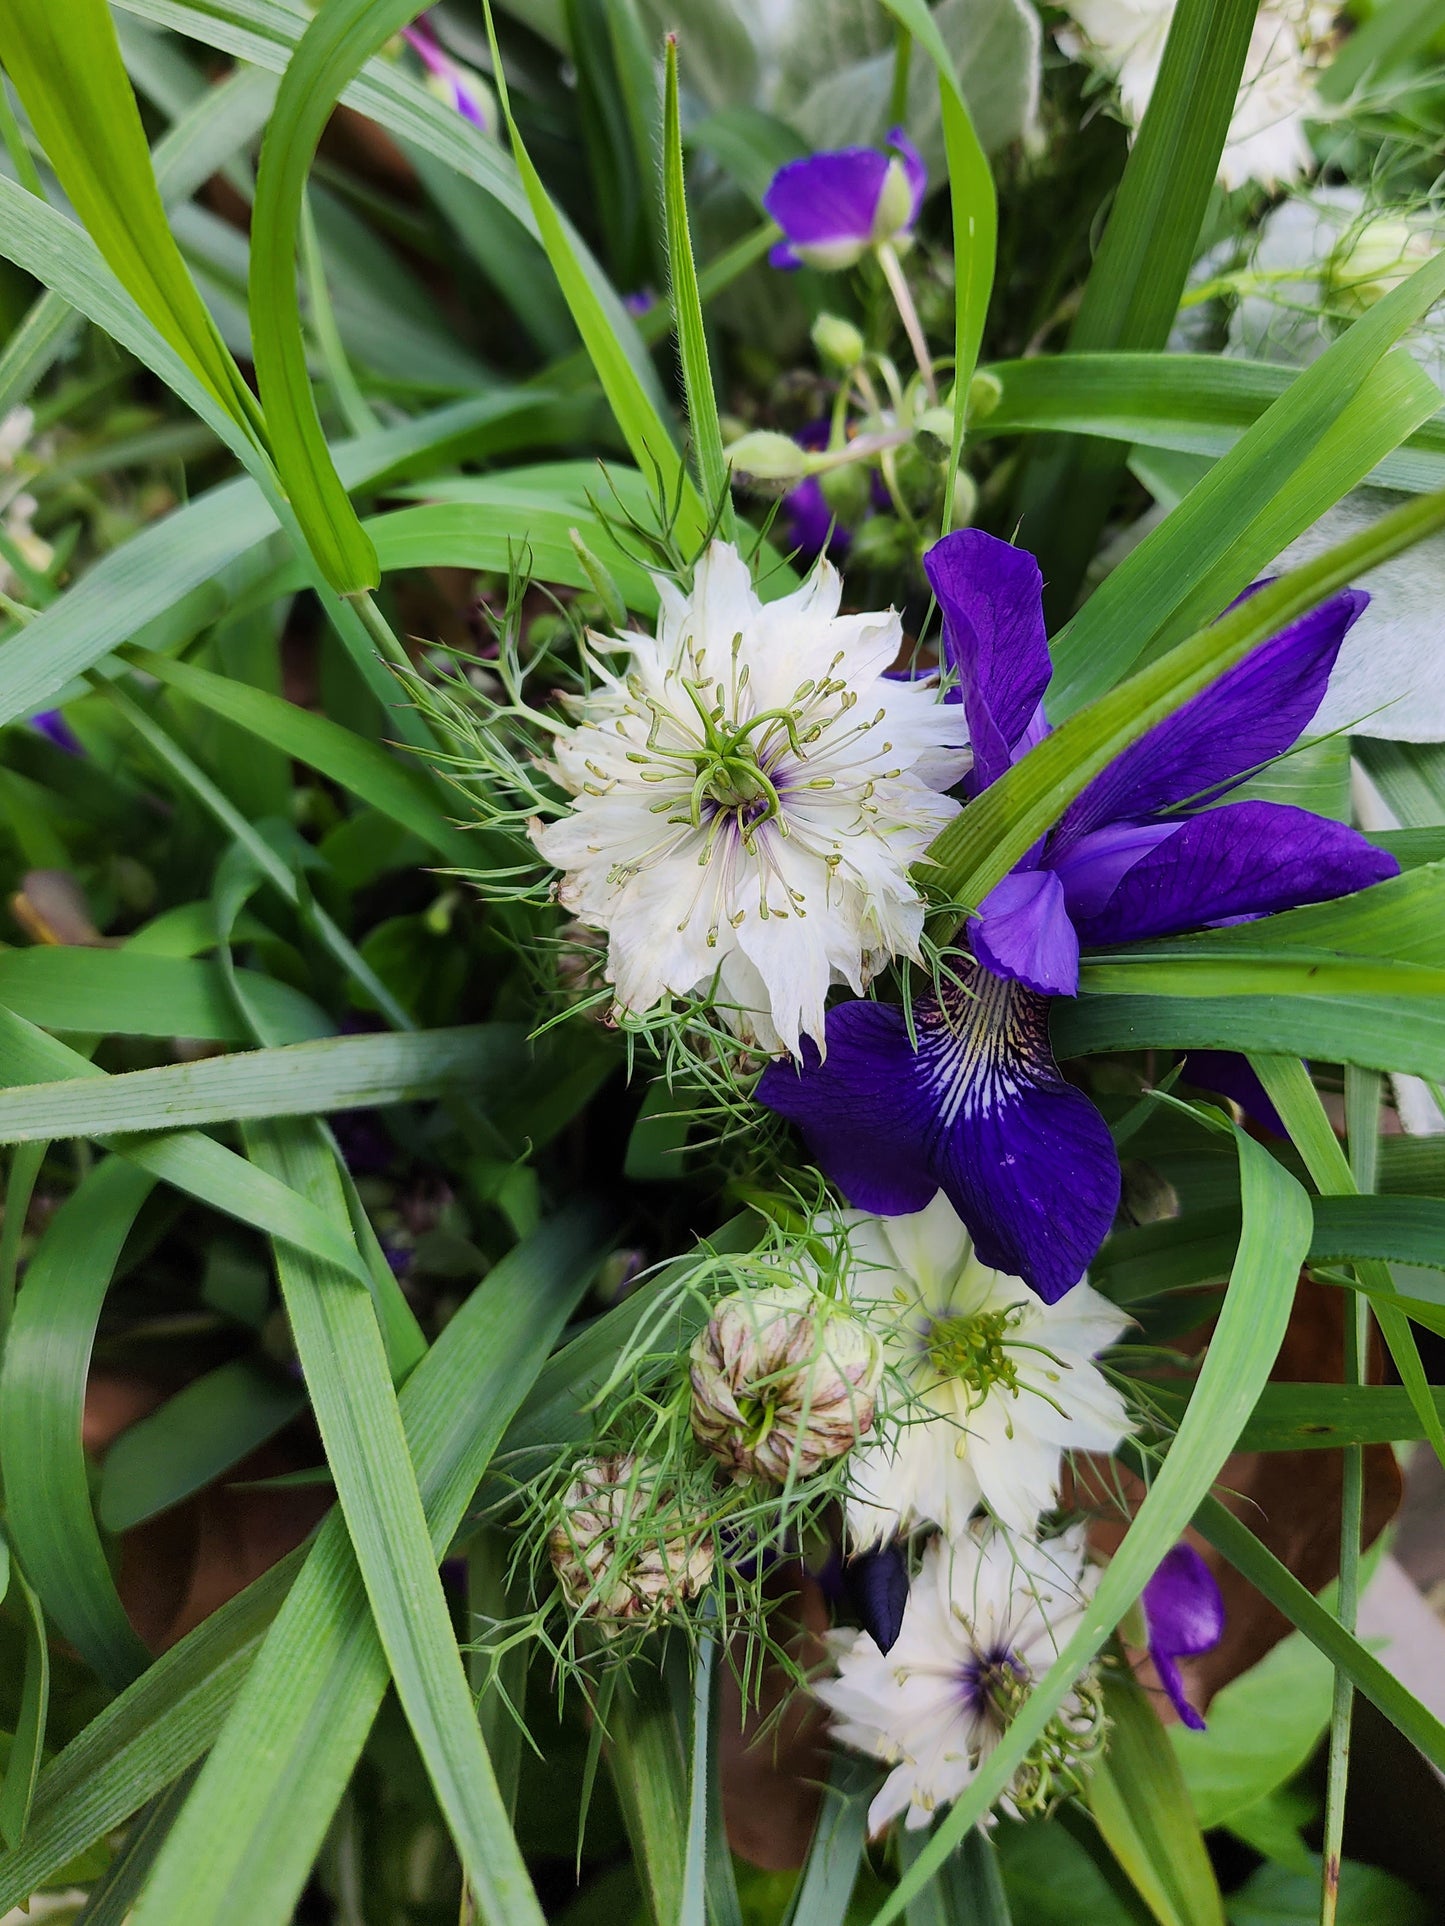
point(751, 792)
point(990, 1384)
point(986, 1617)
point(1266, 141)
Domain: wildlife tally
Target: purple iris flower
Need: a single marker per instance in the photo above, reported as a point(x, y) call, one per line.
point(459, 88)
point(1184, 1614)
point(833, 207)
point(978, 1108)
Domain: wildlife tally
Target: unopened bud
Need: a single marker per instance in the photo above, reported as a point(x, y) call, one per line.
point(838, 341)
point(766, 456)
point(933, 431)
point(1378, 257)
point(781, 1383)
point(847, 490)
point(620, 1548)
point(965, 500)
point(985, 392)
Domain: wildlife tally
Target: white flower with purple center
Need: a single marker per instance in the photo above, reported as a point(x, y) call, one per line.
point(969, 1100)
point(752, 790)
point(834, 207)
point(989, 1386)
point(985, 1619)
point(1266, 140)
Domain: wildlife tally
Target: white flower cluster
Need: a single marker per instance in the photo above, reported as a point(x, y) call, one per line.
point(989, 1388)
point(1266, 141)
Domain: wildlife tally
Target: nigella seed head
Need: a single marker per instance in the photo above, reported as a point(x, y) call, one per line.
point(620, 1546)
point(782, 1383)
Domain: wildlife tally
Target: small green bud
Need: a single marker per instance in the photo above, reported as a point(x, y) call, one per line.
point(847, 491)
point(764, 456)
point(838, 341)
point(965, 500)
point(918, 478)
point(600, 576)
point(985, 392)
point(933, 430)
point(1375, 259)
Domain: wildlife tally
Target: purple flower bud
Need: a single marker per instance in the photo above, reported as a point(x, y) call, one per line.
point(457, 85)
point(52, 725)
point(833, 207)
point(1184, 1614)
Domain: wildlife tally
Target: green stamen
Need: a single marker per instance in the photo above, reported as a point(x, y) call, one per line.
point(975, 1351)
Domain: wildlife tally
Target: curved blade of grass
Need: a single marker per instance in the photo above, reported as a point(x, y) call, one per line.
point(296, 1080)
point(1139, 272)
point(339, 1345)
point(647, 435)
point(126, 993)
point(242, 1849)
point(687, 312)
point(68, 70)
point(27, 1743)
point(42, 1396)
point(347, 758)
point(1297, 449)
point(1303, 1115)
point(1242, 1350)
point(830, 1872)
point(184, 1158)
point(460, 1395)
point(1199, 404)
point(982, 844)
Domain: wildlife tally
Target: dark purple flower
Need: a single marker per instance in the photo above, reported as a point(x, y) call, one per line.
point(1230, 1075)
point(809, 525)
point(833, 207)
point(876, 1583)
point(52, 725)
point(639, 302)
point(457, 85)
point(978, 1109)
point(1184, 1614)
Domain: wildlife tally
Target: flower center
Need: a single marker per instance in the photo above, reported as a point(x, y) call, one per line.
point(996, 1685)
point(974, 1350)
point(1060, 1761)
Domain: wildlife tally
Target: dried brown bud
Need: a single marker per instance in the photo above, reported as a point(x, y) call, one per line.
point(782, 1382)
point(620, 1548)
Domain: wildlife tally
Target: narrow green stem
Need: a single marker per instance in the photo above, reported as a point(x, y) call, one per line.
point(1362, 1106)
point(356, 410)
point(907, 313)
point(898, 92)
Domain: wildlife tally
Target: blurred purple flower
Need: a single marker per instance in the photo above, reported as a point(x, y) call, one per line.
point(458, 85)
point(833, 207)
point(52, 724)
point(1229, 1075)
point(1184, 1613)
point(976, 1106)
point(641, 301)
point(805, 515)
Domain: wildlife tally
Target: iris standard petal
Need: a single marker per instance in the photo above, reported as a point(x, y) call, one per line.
point(991, 595)
point(1241, 860)
point(1184, 1613)
point(826, 202)
point(1253, 713)
point(1022, 931)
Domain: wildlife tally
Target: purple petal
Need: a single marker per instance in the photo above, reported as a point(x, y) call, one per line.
point(993, 631)
point(863, 1109)
point(1230, 1075)
point(978, 1111)
point(877, 1585)
point(1253, 713)
point(917, 177)
point(1022, 931)
point(1092, 870)
point(827, 199)
point(1184, 1613)
point(1242, 860)
point(781, 255)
